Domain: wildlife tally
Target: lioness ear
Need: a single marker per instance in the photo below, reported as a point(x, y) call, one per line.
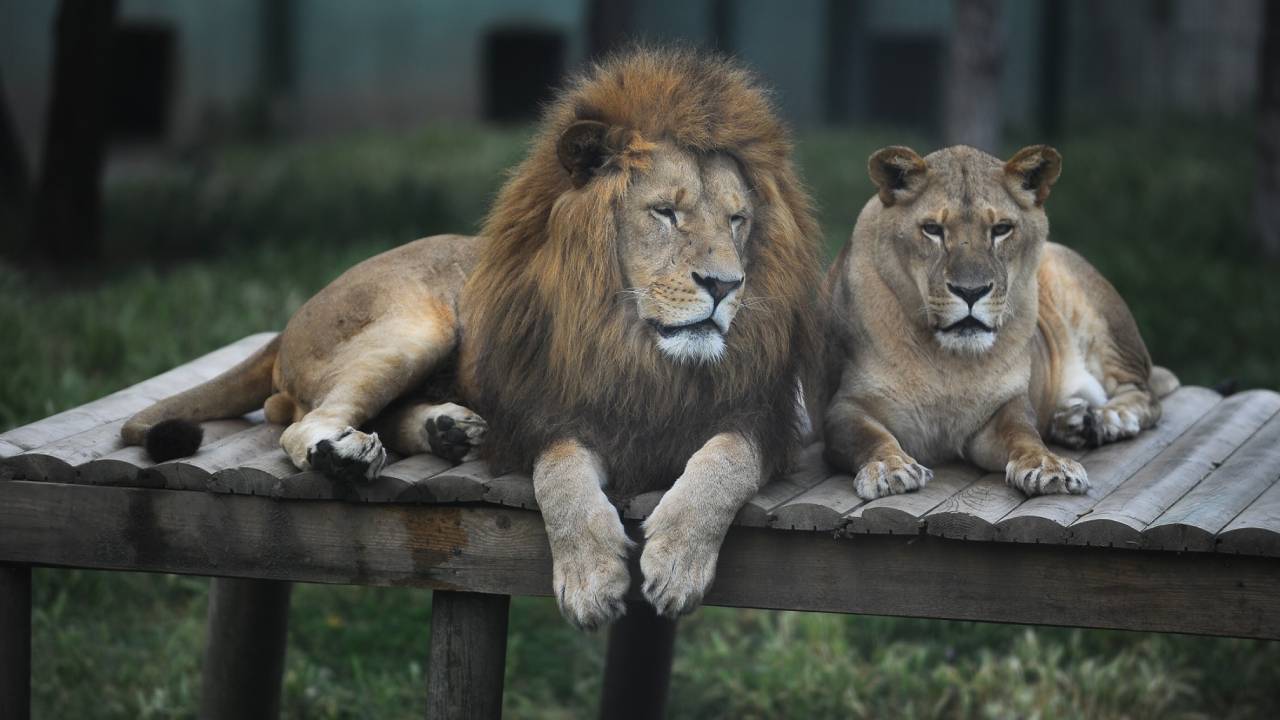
point(583, 150)
point(1031, 172)
point(898, 172)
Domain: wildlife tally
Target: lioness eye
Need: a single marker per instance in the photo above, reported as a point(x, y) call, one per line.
point(1001, 230)
point(667, 213)
point(933, 231)
point(736, 220)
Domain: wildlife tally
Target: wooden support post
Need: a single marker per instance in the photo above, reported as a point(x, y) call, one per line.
point(244, 648)
point(637, 668)
point(468, 655)
point(15, 642)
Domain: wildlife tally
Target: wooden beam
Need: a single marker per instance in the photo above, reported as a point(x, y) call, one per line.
point(637, 666)
point(244, 649)
point(504, 551)
point(15, 642)
point(468, 655)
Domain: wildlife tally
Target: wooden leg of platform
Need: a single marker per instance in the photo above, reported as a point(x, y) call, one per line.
point(637, 669)
point(468, 655)
point(15, 642)
point(244, 649)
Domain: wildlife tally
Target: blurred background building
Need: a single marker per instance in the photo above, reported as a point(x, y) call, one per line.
point(191, 71)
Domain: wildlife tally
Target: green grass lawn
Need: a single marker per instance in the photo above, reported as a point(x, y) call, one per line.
point(237, 240)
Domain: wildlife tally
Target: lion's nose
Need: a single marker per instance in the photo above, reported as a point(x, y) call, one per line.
point(719, 289)
point(970, 295)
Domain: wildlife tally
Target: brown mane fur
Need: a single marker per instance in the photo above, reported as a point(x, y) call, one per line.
point(553, 348)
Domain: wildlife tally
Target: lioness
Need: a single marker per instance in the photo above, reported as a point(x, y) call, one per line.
point(637, 311)
point(956, 330)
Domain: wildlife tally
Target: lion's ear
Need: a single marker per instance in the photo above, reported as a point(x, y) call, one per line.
point(583, 149)
point(898, 172)
point(1031, 172)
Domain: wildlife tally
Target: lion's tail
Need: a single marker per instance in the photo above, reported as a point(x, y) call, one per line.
point(1163, 381)
point(168, 429)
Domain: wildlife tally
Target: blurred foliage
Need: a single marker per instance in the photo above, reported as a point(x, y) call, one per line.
point(234, 241)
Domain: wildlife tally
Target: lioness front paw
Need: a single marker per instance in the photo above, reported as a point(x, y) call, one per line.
point(350, 456)
point(678, 563)
point(890, 475)
point(454, 432)
point(590, 572)
point(1044, 474)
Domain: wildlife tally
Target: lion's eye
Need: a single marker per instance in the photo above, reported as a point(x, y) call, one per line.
point(1001, 231)
point(933, 231)
point(736, 220)
point(667, 213)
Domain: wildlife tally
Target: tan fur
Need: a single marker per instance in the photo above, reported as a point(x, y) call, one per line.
point(638, 313)
point(913, 380)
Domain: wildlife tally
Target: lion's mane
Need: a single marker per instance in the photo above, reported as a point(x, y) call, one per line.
point(552, 347)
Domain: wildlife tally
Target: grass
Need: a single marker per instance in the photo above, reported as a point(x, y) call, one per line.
point(237, 239)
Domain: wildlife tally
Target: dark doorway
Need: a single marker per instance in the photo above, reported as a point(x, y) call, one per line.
point(142, 70)
point(521, 67)
point(905, 87)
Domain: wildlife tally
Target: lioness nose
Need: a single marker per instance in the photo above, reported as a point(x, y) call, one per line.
point(719, 289)
point(970, 295)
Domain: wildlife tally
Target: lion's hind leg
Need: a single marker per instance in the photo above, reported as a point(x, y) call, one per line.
point(446, 430)
point(369, 371)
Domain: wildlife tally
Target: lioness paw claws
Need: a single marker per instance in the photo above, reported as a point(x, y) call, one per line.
point(1047, 474)
point(890, 475)
point(677, 569)
point(350, 456)
point(454, 432)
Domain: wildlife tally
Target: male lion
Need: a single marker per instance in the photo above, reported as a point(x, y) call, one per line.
point(957, 330)
point(636, 312)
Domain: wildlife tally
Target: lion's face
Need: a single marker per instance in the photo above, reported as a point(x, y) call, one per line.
point(964, 229)
point(683, 225)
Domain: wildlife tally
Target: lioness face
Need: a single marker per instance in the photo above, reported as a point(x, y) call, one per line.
point(683, 226)
point(965, 229)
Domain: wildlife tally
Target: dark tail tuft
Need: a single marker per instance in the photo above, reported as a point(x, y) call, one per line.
point(169, 439)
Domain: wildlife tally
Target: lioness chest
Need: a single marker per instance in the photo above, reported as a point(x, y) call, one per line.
point(934, 408)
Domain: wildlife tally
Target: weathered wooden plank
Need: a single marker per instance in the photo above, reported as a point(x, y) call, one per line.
point(1119, 518)
point(436, 480)
point(809, 469)
point(1256, 530)
point(1193, 523)
point(499, 550)
point(257, 475)
point(904, 514)
point(1045, 518)
point(123, 403)
point(234, 451)
point(468, 655)
point(972, 513)
point(244, 649)
point(512, 490)
point(57, 461)
point(123, 467)
point(15, 642)
point(821, 507)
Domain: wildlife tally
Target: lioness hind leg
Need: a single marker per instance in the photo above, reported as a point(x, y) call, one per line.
point(1078, 424)
point(446, 430)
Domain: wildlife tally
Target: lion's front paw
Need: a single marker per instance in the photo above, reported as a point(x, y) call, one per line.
point(590, 573)
point(890, 475)
point(350, 456)
point(678, 563)
point(1046, 473)
point(454, 432)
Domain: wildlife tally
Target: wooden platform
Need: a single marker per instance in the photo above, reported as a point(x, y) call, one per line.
point(1204, 480)
point(1179, 533)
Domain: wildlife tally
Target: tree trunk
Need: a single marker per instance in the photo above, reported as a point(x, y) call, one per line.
point(1266, 197)
point(973, 82)
point(69, 204)
point(15, 190)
